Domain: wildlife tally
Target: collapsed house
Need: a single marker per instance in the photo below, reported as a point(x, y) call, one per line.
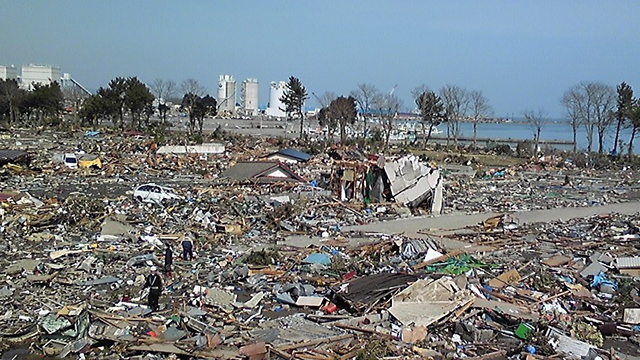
point(413, 183)
point(8, 156)
point(261, 172)
point(407, 181)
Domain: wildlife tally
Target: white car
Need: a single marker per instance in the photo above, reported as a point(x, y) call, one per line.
point(71, 161)
point(152, 193)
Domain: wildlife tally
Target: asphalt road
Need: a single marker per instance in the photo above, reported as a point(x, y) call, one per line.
point(457, 221)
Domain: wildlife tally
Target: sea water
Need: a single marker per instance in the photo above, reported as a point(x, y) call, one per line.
point(551, 131)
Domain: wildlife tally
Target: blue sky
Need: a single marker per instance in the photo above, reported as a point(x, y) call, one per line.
point(522, 54)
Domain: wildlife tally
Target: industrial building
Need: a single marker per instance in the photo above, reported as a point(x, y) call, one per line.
point(67, 82)
point(39, 74)
point(227, 94)
point(276, 91)
point(8, 72)
point(249, 96)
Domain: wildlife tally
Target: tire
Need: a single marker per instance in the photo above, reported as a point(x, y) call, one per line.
point(139, 198)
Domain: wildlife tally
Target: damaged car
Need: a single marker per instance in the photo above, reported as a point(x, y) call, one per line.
point(152, 193)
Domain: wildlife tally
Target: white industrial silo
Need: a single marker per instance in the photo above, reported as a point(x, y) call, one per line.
point(276, 91)
point(249, 96)
point(227, 94)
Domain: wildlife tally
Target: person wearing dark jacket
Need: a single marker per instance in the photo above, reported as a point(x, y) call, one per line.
point(187, 249)
point(154, 283)
point(168, 259)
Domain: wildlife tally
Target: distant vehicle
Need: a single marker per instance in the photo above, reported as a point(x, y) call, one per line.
point(133, 133)
point(71, 161)
point(152, 193)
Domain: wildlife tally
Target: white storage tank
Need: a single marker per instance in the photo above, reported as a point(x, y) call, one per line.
point(276, 91)
point(227, 94)
point(249, 95)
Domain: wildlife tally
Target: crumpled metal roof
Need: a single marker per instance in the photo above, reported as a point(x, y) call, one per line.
point(628, 262)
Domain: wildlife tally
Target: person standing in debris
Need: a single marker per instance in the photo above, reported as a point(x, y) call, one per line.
point(154, 283)
point(187, 248)
point(168, 259)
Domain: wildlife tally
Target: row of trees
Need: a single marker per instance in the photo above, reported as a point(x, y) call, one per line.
point(197, 104)
point(592, 105)
point(451, 105)
point(334, 111)
point(130, 95)
point(457, 104)
point(598, 107)
point(120, 96)
point(44, 103)
point(125, 102)
point(595, 106)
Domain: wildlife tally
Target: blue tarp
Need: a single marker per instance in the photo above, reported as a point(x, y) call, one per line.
point(600, 279)
point(295, 154)
point(317, 258)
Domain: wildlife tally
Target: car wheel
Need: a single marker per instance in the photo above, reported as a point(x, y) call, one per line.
point(139, 198)
point(164, 202)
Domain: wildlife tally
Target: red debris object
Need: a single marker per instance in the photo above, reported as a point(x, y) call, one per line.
point(349, 275)
point(330, 308)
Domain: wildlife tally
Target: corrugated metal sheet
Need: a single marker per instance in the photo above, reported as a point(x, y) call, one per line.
point(628, 262)
point(367, 290)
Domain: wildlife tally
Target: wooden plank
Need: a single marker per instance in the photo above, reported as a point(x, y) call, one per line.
point(314, 342)
point(367, 331)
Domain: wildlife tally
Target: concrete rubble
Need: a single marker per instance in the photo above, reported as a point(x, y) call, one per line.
point(276, 275)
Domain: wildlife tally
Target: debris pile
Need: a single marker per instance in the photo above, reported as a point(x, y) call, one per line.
point(261, 266)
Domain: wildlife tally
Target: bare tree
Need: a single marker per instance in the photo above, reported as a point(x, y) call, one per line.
point(456, 104)
point(159, 88)
point(594, 102)
point(164, 90)
point(364, 95)
point(170, 89)
point(192, 86)
point(480, 108)
point(572, 101)
point(536, 120)
point(604, 102)
point(378, 108)
point(387, 106)
point(326, 98)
